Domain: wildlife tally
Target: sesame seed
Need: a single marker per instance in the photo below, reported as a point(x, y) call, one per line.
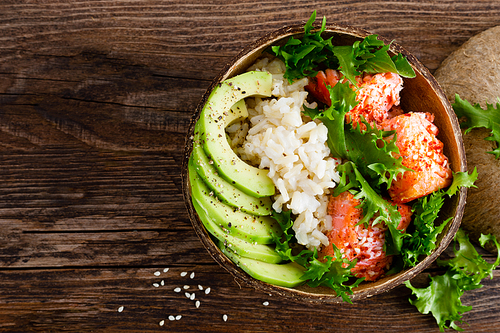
point(266, 303)
point(171, 318)
point(207, 291)
point(186, 286)
point(178, 317)
point(162, 282)
point(156, 285)
point(224, 317)
point(197, 304)
point(177, 290)
point(120, 309)
point(165, 270)
point(200, 287)
point(187, 295)
point(161, 323)
point(192, 275)
point(183, 274)
point(157, 273)
point(192, 296)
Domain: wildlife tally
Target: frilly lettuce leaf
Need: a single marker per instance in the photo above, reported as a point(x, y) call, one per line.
point(370, 149)
point(304, 56)
point(370, 56)
point(422, 241)
point(476, 117)
point(441, 299)
point(464, 272)
point(374, 206)
point(333, 273)
point(343, 100)
point(374, 154)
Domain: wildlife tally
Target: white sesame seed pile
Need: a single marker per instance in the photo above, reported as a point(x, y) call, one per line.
point(188, 290)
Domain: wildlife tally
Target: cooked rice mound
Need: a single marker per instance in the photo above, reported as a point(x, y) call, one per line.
point(295, 151)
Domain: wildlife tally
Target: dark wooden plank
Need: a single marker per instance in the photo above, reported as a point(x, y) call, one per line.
point(89, 300)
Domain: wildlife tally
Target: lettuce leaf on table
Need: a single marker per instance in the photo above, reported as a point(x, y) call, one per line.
point(464, 272)
point(476, 117)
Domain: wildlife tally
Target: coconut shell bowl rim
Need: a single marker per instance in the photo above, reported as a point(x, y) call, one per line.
point(450, 134)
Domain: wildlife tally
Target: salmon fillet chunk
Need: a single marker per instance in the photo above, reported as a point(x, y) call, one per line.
point(422, 152)
point(361, 242)
point(376, 94)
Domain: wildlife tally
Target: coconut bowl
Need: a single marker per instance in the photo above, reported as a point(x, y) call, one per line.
point(431, 99)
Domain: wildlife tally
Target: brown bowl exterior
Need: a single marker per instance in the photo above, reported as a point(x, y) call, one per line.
point(434, 102)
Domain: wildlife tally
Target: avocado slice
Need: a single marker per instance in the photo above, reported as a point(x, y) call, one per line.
point(256, 251)
point(247, 178)
point(238, 110)
point(247, 227)
point(226, 192)
point(243, 247)
point(284, 275)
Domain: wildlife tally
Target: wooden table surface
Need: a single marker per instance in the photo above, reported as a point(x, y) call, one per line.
point(95, 102)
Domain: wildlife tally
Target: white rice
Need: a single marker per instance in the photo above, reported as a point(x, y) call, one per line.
point(295, 151)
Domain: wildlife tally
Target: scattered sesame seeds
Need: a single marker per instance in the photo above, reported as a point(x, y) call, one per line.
point(197, 304)
point(157, 273)
point(266, 303)
point(177, 290)
point(165, 270)
point(120, 309)
point(192, 275)
point(161, 323)
point(183, 274)
point(224, 317)
point(156, 285)
point(207, 291)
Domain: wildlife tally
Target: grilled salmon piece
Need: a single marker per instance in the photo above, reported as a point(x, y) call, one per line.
point(376, 95)
point(422, 152)
point(366, 244)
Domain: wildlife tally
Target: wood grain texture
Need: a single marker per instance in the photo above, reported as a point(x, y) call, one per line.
point(95, 101)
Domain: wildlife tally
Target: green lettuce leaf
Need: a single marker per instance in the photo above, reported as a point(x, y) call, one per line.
point(464, 272)
point(370, 56)
point(374, 206)
point(303, 57)
point(369, 149)
point(373, 153)
point(476, 117)
point(343, 100)
point(441, 299)
point(334, 273)
point(286, 242)
point(423, 240)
